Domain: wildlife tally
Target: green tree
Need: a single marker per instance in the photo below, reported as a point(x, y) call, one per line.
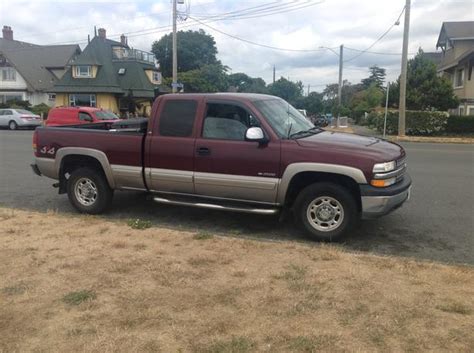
point(365, 100)
point(207, 79)
point(290, 91)
point(195, 50)
point(244, 83)
point(425, 89)
point(313, 103)
point(377, 77)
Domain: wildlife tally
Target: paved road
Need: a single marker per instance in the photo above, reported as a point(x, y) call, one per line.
point(437, 223)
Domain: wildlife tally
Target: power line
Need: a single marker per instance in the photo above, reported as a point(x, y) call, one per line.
point(378, 39)
point(375, 52)
point(254, 43)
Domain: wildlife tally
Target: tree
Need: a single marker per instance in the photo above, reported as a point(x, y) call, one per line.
point(377, 77)
point(244, 83)
point(425, 89)
point(195, 50)
point(313, 103)
point(365, 100)
point(209, 78)
point(290, 91)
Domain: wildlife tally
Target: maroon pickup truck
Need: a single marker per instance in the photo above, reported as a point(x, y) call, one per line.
point(229, 151)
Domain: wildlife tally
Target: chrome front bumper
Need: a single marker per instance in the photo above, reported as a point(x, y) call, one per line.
point(375, 205)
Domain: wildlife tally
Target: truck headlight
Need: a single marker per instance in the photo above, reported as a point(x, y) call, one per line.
point(384, 167)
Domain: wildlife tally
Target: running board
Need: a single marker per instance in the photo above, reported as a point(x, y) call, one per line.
point(262, 211)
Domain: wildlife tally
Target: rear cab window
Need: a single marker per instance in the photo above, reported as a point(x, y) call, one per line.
point(177, 118)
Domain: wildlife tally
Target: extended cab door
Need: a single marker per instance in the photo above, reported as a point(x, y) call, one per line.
point(226, 165)
point(169, 154)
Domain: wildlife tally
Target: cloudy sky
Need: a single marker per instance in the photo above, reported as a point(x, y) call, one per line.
point(301, 27)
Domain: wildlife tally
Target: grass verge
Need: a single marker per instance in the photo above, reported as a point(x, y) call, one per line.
point(156, 289)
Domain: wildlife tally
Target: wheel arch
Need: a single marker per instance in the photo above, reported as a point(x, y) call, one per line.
point(68, 159)
point(298, 176)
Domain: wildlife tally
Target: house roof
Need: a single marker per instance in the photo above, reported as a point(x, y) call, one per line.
point(467, 54)
point(34, 62)
point(99, 52)
point(455, 31)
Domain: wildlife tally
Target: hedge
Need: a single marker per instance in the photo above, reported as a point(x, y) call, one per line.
point(460, 124)
point(423, 123)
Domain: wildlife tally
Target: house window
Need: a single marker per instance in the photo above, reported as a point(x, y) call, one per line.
point(459, 78)
point(8, 74)
point(470, 110)
point(156, 77)
point(83, 71)
point(82, 100)
point(461, 110)
point(51, 96)
point(4, 98)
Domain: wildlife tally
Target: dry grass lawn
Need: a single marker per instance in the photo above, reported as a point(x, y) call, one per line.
point(85, 284)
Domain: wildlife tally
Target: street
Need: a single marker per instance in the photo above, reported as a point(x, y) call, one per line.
point(436, 224)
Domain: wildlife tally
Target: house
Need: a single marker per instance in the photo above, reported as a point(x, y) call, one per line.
point(28, 71)
point(456, 40)
point(109, 74)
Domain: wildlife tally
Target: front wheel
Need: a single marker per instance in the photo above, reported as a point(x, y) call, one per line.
point(88, 191)
point(326, 211)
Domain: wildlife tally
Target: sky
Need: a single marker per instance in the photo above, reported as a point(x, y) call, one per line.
point(299, 31)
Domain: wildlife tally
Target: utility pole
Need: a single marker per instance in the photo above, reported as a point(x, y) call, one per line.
point(274, 73)
point(175, 51)
point(403, 75)
point(309, 87)
point(339, 88)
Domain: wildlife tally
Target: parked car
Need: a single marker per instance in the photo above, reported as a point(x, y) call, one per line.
point(19, 118)
point(238, 152)
point(79, 115)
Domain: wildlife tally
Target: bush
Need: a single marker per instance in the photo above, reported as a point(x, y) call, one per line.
point(419, 123)
point(41, 109)
point(460, 124)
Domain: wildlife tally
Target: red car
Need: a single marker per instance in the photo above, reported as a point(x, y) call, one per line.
point(232, 151)
point(79, 115)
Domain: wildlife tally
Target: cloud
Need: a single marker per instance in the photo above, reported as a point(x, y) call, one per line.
point(356, 24)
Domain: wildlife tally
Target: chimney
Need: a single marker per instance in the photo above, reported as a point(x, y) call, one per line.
point(123, 39)
point(102, 33)
point(7, 33)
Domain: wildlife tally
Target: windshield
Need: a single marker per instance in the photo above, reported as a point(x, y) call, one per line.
point(285, 120)
point(105, 115)
point(23, 111)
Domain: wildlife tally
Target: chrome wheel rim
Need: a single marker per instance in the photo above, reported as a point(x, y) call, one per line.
point(85, 191)
point(325, 214)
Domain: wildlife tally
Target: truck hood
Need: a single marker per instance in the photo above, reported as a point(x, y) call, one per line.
point(375, 149)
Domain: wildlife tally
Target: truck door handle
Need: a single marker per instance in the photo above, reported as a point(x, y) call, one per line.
point(203, 151)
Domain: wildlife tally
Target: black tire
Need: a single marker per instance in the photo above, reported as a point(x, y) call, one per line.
point(12, 125)
point(331, 198)
point(93, 186)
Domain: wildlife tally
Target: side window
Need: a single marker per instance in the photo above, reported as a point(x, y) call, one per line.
point(7, 112)
point(227, 122)
point(177, 118)
point(84, 117)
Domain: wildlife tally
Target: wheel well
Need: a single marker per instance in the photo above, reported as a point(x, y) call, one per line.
point(75, 161)
point(303, 179)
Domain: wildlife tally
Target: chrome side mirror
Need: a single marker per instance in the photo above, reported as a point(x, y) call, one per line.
point(255, 134)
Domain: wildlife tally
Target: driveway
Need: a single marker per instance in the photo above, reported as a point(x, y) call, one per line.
point(436, 224)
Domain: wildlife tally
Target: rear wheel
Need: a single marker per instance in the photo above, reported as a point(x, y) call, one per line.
point(88, 191)
point(12, 125)
point(326, 211)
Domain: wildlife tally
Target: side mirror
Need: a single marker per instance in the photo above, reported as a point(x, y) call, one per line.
point(255, 134)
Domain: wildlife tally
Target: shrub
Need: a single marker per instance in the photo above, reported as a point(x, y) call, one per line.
point(460, 124)
point(41, 109)
point(417, 122)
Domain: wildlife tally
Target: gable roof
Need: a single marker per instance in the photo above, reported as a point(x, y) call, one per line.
point(34, 62)
point(455, 31)
point(107, 80)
